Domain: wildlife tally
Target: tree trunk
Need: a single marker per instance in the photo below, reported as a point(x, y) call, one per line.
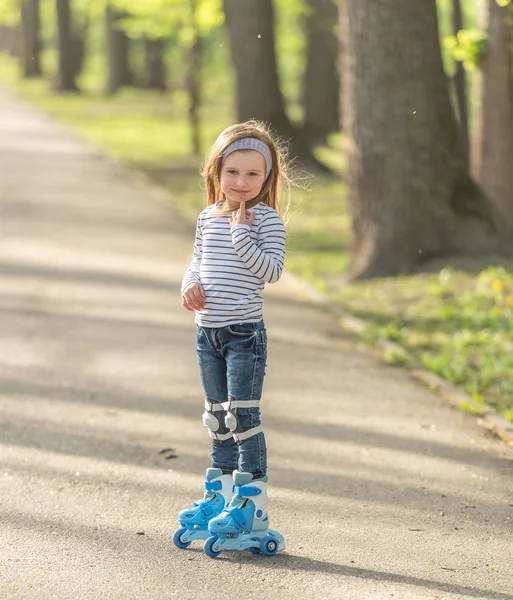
point(119, 73)
point(460, 83)
point(78, 40)
point(67, 59)
point(321, 81)
point(411, 196)
point(31, 42)
point(155, 66)
point(251, 28)
point(14, 42)
point(492, 156)
point(5, 38)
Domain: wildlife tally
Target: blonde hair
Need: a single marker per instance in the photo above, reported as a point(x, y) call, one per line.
point(270, 192)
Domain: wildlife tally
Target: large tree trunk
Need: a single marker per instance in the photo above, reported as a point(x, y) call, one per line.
point(251, 27)
point(31, 42)
point(155, 76)
point(119, 73)
point(460, 82)
point(492, 156)
point(321, 81)
point(67, 58)
point(411, 195)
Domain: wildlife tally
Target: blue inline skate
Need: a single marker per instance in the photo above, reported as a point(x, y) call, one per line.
point(244, 524)
point(194, 521)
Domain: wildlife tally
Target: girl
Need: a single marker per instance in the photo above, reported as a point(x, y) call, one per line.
point(236, 252)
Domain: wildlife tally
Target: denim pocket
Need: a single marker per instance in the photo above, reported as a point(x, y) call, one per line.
point(246, 330)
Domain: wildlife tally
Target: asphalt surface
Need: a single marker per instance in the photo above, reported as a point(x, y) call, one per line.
point(380, 489)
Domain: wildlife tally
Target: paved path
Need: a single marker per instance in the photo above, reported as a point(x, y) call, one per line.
point(380, 490)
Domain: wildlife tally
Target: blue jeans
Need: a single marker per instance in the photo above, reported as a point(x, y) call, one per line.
point(232, 362)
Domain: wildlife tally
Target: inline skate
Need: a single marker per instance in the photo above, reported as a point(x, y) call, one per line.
point(244, 524)
point(194, 521)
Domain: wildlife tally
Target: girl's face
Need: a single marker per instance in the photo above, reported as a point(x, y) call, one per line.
point(242, 176)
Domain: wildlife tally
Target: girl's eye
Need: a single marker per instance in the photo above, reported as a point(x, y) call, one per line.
point(232, 172)
point(252, 173)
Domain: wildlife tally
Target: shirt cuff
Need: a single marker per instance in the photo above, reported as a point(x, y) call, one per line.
point(188, 284)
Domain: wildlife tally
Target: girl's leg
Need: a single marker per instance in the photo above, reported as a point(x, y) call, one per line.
point(245, 350)
point(212, 368)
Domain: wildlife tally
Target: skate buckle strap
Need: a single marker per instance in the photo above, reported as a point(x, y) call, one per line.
point(213, 486)
point(238, 517)
point(206, 509)
point(246, 490)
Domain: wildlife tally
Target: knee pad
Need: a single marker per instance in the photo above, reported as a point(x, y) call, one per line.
point(214, 420)
point(232, 419)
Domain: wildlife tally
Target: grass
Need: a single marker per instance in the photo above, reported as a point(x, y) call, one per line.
point(456, 320)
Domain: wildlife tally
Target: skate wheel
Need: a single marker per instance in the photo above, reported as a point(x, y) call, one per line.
point(208, 547)
point(177, 539)
point(254, 550)
point(269, 546)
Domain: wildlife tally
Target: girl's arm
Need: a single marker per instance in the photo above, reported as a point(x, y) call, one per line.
point(265, 260)
point(192, 274)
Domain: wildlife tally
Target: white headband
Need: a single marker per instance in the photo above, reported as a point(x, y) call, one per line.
point(252, 144)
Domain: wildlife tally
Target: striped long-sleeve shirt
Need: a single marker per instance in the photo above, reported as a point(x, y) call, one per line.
point(234, 264)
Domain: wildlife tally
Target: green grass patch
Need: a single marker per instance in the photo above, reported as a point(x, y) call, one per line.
point(456, 321)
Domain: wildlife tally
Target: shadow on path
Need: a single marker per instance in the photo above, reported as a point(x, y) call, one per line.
point(120, 539)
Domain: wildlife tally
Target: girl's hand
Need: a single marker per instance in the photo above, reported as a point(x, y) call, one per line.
point(193, 297)
point(241, 216)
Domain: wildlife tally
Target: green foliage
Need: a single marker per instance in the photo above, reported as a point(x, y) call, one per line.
point(467, 47)
point(161, 18)
point(9, 12)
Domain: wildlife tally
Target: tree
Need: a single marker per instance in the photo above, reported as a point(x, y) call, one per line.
point(460, 81)
point(79, 45)
point(119, 73)
point(492, 154)
point(321, 81)
point(155, 76)
point(411, 196)
point(251, 30)
point(67, 48)
point(30, 34)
